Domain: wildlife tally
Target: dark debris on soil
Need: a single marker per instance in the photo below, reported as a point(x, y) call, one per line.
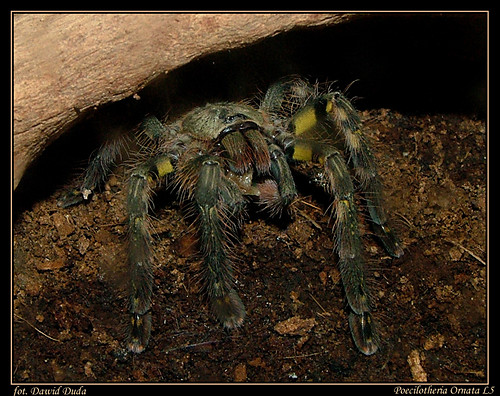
point(69, 281)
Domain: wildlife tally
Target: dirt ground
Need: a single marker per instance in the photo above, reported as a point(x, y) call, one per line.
point(431, 304)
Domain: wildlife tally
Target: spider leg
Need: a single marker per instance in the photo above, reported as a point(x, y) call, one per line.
point(101, 163)
point(347, 121)
point(349, 248)
point(215, 203)
point(140, 257)
point(286, 92)
point(346, 237)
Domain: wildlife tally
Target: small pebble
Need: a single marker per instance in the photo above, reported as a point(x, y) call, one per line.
point(295, 326)
point(417, 371)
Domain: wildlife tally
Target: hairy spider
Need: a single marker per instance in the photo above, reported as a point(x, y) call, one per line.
point(219, 155)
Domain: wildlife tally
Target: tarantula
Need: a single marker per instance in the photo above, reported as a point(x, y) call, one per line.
point(218, 157)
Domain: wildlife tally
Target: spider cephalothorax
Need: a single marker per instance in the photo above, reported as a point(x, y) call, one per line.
point(218, 155)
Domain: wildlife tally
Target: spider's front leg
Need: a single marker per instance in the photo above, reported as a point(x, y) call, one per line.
point(140, 257)
point(350, 250)
point(348, 242)
point(215, 198)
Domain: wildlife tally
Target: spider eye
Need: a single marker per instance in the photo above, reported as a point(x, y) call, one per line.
point(231, 118)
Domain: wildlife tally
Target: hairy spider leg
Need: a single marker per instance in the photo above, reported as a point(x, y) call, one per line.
point(348, 122)
point(348, 244)
point(349, 248)
point(215, 199)
point(101, 164)
point(288, 92)
point(152, 127)
point(140, 257)
point(309, 122)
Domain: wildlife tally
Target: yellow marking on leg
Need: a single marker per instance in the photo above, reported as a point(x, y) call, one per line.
point(305, 120)
point(329, 106)
point(302, 152)
point(342, 210)
point(164, 167)
point(345, 202)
